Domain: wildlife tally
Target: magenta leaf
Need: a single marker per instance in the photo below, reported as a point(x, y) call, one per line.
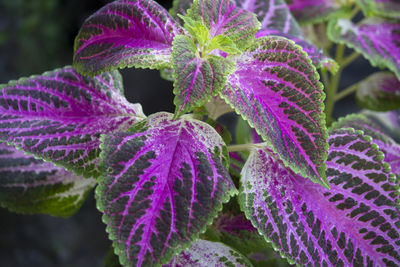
point(197, 79)
point(224, 17)
point(385, 143)
point(125, 33)
point(384, 8)
point(313, 11)
point(206, 253)
point(355, 223)
point(380, 91)
point(277, 90)
point(29, 185)
point(60, 115)
point(167, 181)
point(377, 41)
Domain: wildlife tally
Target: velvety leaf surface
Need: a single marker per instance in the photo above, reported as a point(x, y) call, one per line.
point(380, 91)
point(318, 58)
point(206, 253)
point(197, 79)
point(273, 15)
point(224, 17)
point(125, 33)
point(29, 185)
point(385, 8)
point(377, 41)
point(386, 144)
point(355, 223)
point(313, 11)
point(167, 180)
point(60, 115)
point(276, 89)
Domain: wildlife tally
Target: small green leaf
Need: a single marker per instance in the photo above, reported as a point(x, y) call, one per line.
point(225, 44)
point(198, 77)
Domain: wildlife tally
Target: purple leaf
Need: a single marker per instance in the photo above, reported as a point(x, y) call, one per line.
point(167, 182)
point(60, 115)
point(273, 15)
point(386, 144)
point(206, 253)
point(384, 8)
point(313, 11)
point(380, 91)
point(377, 41)
point(223, 17)
point(355, 223)
point(125, 33)
point(276, 88)
point(29, 185)
point(197, 79)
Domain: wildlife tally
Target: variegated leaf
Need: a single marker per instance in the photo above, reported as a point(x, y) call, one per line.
point(125, 33)
point(196, 79)
point(355, 223)
point(313, 11)
point(380, 91)
point(167, 180)
point(60, 115)
point(29, 185)
point(224, 17)
point(206, 253)
point(318, 58)
point(377, 41)
point(384, 8)
point(386, 144)
point(276, 88)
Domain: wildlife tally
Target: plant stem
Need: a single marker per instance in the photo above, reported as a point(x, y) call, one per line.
point(347, 60)
point(333, 85)
point(241, 147)
point(349, 90)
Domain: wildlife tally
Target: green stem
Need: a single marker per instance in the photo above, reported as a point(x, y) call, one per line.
point(346, 61)
point(241, 147)
point(348, 91)
point(332, 87)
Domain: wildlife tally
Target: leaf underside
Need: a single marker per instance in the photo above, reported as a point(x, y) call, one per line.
point(389, 122)
point(355, 223)
point(377, 41)
point(126, 33)
point(380, 91)
point(167, 180)
point(60, 115)
point(29, 185)
point(277, 90)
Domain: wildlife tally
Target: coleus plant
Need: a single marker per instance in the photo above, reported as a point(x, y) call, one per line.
point(172, 190)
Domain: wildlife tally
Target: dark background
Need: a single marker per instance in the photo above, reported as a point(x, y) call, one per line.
point(37, 36)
